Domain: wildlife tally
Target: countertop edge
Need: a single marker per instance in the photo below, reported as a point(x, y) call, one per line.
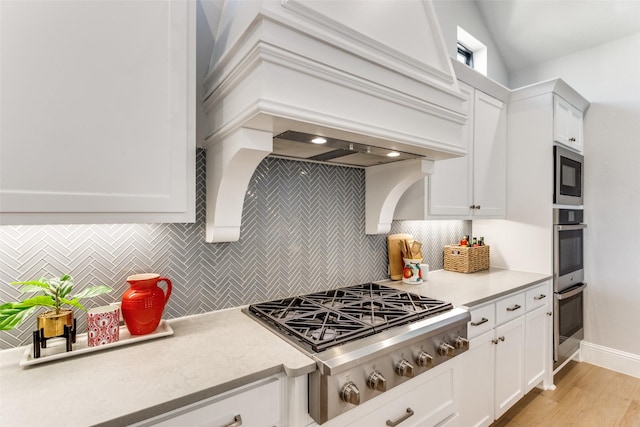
point(217, 390)
point(499, 295)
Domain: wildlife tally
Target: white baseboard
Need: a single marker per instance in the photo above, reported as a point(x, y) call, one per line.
point(615, 360)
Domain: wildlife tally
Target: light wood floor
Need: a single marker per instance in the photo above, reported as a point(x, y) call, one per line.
point(585, 396)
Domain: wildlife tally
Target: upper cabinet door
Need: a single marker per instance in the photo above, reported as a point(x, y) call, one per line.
point(98, 111)
point(473, 186)
point(451, 186)
point(489, 157)
point(567, 124)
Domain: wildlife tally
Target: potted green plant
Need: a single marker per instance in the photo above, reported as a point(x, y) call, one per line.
point(57, 292)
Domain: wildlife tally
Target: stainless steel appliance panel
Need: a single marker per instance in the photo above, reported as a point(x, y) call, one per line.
point(568, 254)
point(568, 248)
point(568, 323)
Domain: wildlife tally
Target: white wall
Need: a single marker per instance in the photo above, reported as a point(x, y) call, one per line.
point(609, 77)
point(465, 13)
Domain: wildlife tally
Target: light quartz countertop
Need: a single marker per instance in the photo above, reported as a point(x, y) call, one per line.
point(207, 355)
point(468, 290)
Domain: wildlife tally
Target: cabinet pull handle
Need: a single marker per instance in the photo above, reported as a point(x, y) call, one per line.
point(495, 341)
point(501, 338)
point(539, 297)
point(237, 421)
point(549, 313)
point(483, 320)
point(514, 308)
point(401, 419)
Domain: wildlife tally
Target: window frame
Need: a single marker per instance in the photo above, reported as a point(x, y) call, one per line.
point(466, 53)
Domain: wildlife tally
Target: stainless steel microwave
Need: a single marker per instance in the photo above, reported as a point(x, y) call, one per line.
point(568, 177)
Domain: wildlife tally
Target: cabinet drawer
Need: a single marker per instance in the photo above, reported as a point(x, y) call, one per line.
point(510, 308)
point(256, 404)
point(538, 296)
point(482, 320)
point(428, 404)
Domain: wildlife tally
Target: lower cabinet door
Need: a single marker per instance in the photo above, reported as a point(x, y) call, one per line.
point(475, 379)
point(428, 404)
point(536, 350)
point(258, 404)
point(509, 365)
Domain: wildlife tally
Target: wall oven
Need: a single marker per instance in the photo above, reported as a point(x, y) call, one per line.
point(568, 176)
point(568, 283)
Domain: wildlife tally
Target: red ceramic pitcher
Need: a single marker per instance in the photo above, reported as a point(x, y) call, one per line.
point(143, 303)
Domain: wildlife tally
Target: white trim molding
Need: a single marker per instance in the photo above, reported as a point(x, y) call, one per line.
point(610, 358)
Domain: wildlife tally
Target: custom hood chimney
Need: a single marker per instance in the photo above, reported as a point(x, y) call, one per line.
point(371, 79)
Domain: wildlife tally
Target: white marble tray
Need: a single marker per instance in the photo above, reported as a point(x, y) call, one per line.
point(56, 346)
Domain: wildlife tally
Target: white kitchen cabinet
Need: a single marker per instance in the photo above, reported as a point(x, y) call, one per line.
point(477, 373)
point(509, 354)
point(256, 404)
point(567, 124)
point(530, 126)
point(538, 335)
point(509, 365)
point(467, 187)
point(98, 112)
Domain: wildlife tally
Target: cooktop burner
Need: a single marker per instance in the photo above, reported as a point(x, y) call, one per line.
point(322, 320)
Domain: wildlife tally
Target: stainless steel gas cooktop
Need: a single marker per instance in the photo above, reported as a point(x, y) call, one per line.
point(322, 320)
point(365, 339)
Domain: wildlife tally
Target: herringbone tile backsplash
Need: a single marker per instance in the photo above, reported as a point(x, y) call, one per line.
point(302, 231)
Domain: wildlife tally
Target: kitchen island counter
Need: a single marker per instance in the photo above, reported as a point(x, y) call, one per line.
point(207, 355)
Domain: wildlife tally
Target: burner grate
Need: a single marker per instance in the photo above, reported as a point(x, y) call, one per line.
point(324, 319)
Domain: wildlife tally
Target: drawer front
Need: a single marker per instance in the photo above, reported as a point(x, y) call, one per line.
point(483, 319)
point(428, 404)
point(510, 308)
point(258, 404)
point(538, 296)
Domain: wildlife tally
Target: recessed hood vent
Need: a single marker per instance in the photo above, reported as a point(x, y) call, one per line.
point(301, 146)
point(370, 77)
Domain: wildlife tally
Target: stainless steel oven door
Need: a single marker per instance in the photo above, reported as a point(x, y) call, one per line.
point(568, 323)
point(568, 250)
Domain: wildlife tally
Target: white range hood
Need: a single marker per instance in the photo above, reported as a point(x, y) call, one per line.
point(369, 76)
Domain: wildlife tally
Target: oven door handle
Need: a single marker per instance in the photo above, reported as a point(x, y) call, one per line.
point(569, 227)
point(571, 292)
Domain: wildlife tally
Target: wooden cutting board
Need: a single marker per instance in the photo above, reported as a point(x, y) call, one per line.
point(396, 264)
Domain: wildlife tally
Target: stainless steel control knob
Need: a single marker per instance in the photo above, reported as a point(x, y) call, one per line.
point(350, 393)
point(424, 360)
point(405, 369)
point(447, 350)
point(377, 381)
point(462, 343)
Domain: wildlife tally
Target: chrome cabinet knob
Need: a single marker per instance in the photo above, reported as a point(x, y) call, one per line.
point(447, 350)
point(462, 343)
point(405, 369)
point(377, 381)
point(424, 360)
point(350, 393)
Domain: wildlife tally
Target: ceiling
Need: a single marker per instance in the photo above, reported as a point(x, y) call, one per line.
point(529, 32)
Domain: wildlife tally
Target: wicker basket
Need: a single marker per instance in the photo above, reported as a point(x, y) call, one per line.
point(464, 259)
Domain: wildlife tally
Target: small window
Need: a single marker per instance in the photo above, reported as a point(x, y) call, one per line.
point(465, 55)
point(472, 51)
